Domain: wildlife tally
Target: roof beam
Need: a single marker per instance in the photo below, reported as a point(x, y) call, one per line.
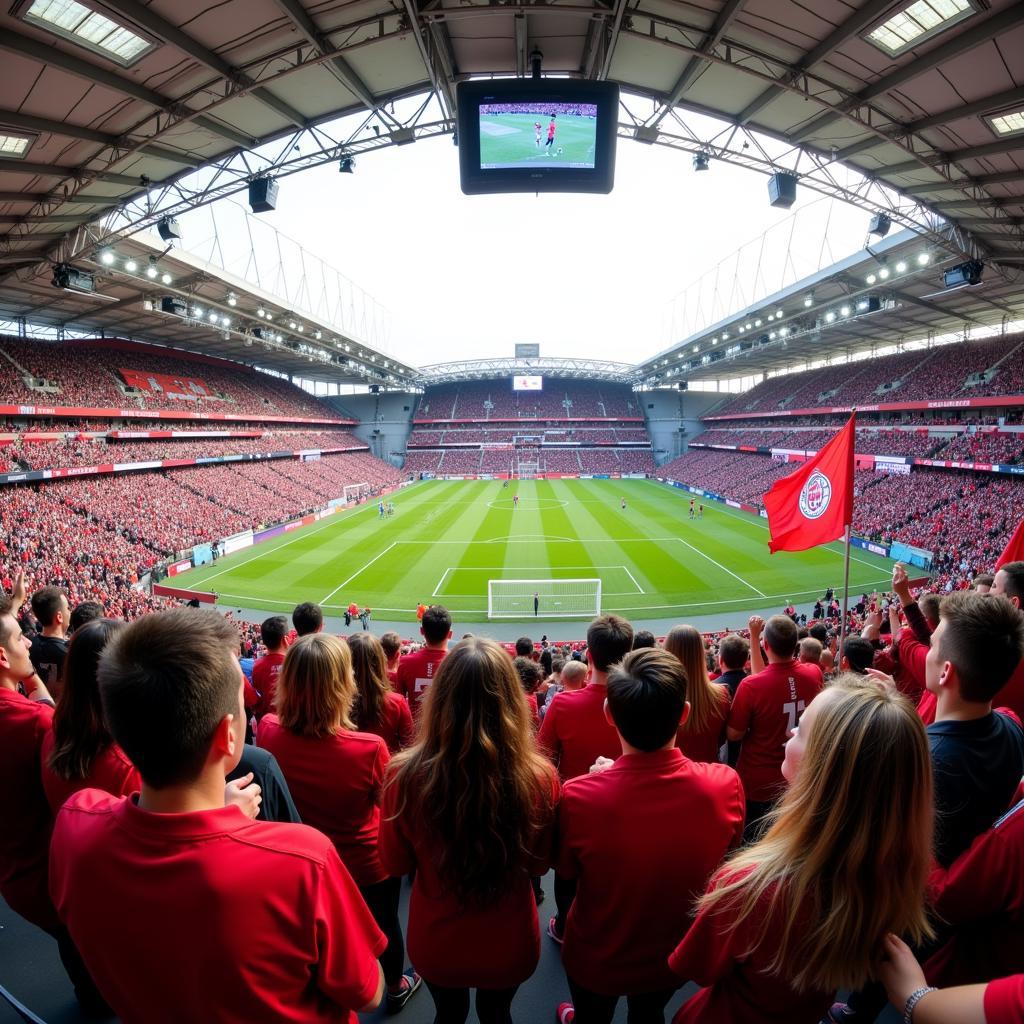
point(956, 156)
point(853, 25)
point(982, 180)
point(613, 38)
point(153, 23)
point(35, 198)
point(960, 43)
point(934, 307)
point(11, 165)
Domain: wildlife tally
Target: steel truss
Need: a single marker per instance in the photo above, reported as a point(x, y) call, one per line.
point(573, 369)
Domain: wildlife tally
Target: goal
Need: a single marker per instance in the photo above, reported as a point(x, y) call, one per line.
point(355, 492)
point(556, 599)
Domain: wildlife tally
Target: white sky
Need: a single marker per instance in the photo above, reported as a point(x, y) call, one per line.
point(469, 276)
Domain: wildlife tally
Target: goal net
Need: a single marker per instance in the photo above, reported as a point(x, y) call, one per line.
point(555, 599)
point(355, 492)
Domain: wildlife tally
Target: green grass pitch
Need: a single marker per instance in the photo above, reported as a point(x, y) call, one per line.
point(510, 140)
point(447, 538)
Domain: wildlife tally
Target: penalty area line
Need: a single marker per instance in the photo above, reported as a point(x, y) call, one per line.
point(440, 583)
point(358, 572)
point(633, 578)
point(723, 568)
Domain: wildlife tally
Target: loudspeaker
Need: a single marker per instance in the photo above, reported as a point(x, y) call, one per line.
point(879, 225)
point(168, 229)
point(782, 190)
point(683, 385)
point(263, 195)
point(172, 304)
point(965, 273)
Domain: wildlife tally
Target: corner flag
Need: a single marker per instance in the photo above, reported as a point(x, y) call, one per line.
point(814, 505)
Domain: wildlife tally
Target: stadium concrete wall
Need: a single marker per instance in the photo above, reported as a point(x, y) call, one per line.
point(673, 419)
point(389, 414)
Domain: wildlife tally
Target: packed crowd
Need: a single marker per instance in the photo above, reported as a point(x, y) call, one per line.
point(425, 436)
point(495, 400)
point(795, 819)
point(549, 460)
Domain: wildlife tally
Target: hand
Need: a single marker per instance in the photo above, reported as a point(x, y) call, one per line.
point(899, 972)
point(600, 765)
point(18, 593)
point(881, 677)
point(901, 584)
point(755, 625)
point(245, 794)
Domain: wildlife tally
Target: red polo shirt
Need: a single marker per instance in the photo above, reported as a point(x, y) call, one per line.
point(111, 771)
point(335, 783)
point(766, 708)
point(25, 819)
point(265, 671)
point(1004, 1000)
point(416, 672)
point(738, 983)
point(210, 916)
point(674, 820)
point(575, 732)
point(454, 946)
point(394, 726)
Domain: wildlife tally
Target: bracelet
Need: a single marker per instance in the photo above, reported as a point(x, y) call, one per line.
point(913, 1000)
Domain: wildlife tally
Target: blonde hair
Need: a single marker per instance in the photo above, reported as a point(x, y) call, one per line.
point(573, 672)
point(705, 697)
point(846, 857)
point(315, 689)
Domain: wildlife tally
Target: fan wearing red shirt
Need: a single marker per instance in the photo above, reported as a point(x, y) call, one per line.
point(257, 920)
point(392, 644)
point(766, 709)
point(1009, 583)
point(471, 807)
point(416, 671)
point(335, 775)
point(785, 922)
point(377, 708)
point(265, 670)
point(79, 752)
point(637, 882)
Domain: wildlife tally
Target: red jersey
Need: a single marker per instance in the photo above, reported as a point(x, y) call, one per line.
point(111, 771)
point(575, 732)
point(454, 946)
point(1012, 694)
point(704, 745)
point(551, 130)
point(738, 983)
point(394, 726)
point(416, 672)
point(637, 881)
point(1004, 1000)
point(267, 911)
point(265, 671)
point(766, 708)
point(335, 783)
point(24, 812)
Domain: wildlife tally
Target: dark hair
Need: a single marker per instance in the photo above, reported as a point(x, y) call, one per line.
point(392, 644)
point(860, 653)
point(46, 604)
point(609, 639)
point(985, 579)
point(166, 682)
point(83, 612)
point(983, 639)
point(646, 695)
point(643, 638)
point(734, 651)
point(436, 624)
point(531, 675)
point(370, 669)
point(275, 629)
point(307, 618)
point(557, 664)
point(80, 734)
point(929, 605)
point(780, 636)
point(1014, 580)
point(524, 647)
point(820, 633)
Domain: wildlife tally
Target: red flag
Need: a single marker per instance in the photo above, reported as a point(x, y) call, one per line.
point(814, 505)
point(1014, 550)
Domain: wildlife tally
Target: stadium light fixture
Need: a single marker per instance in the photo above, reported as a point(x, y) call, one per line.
point(901, 267)
point(131, 266)
point(291, 325)
point(213, 315)
point(261, 312)
point(771, 318)
point(747, 326)
point(771, 335)
point(783, 331)
point(714, 341)
point(166, 278)
point(318, 335)
point(695, 348)
point(1009, 123)
point(151, 272)
point(197, 312)
point(347, 165)
point(757, 323)
point(871, 279)
point(742, 328)
point(226, 321)
point(912, 23)
point(701, 161)
point(301, 329)
point(80, 24)
point(829, 317)
point(106, 257)
point(808, 301)
point(725, 336)
point(232, 299)
point(779, 314)
point(270, 317)
point(862, 305)
point(844, 311)
point(923, 259)
point(883, 273)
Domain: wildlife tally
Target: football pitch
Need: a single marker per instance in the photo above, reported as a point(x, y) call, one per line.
point(448, 538)
point(510, 140)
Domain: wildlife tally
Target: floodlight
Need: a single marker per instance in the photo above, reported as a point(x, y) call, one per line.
point(232, 299)
point(901, 267)
point(808, 301)
point(166, 278)
point(106, 257)
point(923, 259)
point(883, 273)
point(871, 279)
point(131, 266)
point(844, 311)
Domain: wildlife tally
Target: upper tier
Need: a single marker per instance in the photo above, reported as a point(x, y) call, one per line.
point(560, 400)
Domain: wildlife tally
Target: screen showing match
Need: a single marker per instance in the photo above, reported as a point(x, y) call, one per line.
point(524, 135)
point(527, 382)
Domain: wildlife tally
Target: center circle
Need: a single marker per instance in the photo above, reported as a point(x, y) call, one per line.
point(534, 504)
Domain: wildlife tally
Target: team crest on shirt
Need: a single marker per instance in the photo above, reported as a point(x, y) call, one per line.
point(815, 495)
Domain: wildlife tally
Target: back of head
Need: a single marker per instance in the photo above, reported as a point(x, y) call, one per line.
point(370, 671)
point(929, 605)
point(531, 675)
point(859, 654)
point(436, 624)
point(780, 636)
point(573, 674)
point(983, 637)
point(166, 681)
point(524, 647)
point(820, 633)
point(307, 618)
point(392, 644)
point(810, 650)
point(686, 644)
point(646, 697)
point(80, 733)
point(609, 640)
point(1009, 579)
point(475, 749)
point(734, 651)
point(46, 604)
point(983, 582)
point(275, 629)
point(83, 612)
point(315, 688)
point(643, 638)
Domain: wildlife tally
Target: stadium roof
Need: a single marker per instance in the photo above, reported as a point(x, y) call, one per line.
point(483, 369)
point(112, 104)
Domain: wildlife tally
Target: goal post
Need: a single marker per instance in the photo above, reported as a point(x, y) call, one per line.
point(355, 493)
point(555, 599)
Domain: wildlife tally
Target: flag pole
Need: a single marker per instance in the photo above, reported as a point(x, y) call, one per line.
point(846, 569)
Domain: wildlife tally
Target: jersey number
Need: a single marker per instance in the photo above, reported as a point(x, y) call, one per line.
point(793, 710)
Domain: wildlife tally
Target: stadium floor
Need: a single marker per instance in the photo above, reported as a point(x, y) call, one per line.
point(31, 971)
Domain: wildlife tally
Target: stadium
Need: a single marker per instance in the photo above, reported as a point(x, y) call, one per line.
point(200, 416)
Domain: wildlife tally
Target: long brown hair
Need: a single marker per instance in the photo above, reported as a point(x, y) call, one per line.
point(474, 780)
point(315, 689)
point(80, 731)
point(370, 669)
point(705, 697)
point(847, 854)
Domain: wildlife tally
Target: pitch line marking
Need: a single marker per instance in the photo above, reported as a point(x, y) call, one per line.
point(633, 578)
point(722, 567)
point(440, 583)
point(358, 572)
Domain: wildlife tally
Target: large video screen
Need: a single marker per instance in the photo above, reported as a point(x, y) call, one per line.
point(514, 135)
point(527, 382)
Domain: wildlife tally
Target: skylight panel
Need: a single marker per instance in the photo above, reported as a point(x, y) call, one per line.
point(1007, 124)
point(89, 27)
point(14, 145)
point(918, 21)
